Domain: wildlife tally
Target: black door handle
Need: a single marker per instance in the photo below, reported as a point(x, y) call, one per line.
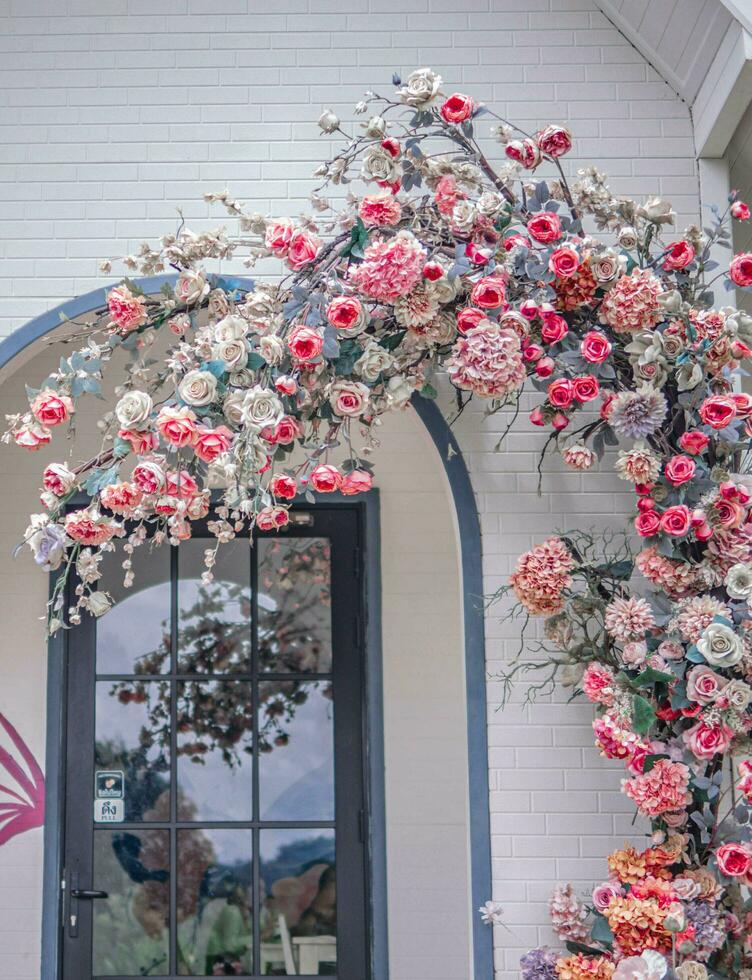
point(87, 893)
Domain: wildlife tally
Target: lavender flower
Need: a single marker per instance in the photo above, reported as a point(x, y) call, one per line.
point(710, 933)
point(539, 964)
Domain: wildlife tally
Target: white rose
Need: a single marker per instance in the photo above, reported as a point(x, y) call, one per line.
point(444, 290)
point(348, 398)
point(378, 164)
point(739, 694)
point(272, 349)
point(261, 407)
point(198, 388)
point(657, 211)
point(720, 645)
point(233, 352)
point(231, 327)
point(97, 603)
point(232, 408)
point(399, 391)
point(627, 238)
point(47, 541)
point(608, 266)
point(133, 410)
point(421, 87)
point(376, 127)
point(222, 471)
point(373, 362)
point(463, 216)
point(191, 287)
point(328, 121)
point(738, 581)
point(489, 203)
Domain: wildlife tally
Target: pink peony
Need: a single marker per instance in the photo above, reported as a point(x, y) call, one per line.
point(121, 498)
point(487, 361)
point(89, 528)
point(380, 210)
point(661, 790)
point(390, 268)
point(128, 312)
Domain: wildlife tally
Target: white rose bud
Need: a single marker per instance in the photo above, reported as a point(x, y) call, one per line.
point(720, 645)
point(198, 388)
point(133, 410)
point(98, 603)
point(375, 127)
point(627, 238)
point(328, 121)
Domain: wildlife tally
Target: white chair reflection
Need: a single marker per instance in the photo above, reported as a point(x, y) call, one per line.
point(311, 951)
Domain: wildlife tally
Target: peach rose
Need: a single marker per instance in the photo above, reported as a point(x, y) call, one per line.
point(177, 425)
point(304, 247)
point(211, 442)
point(272, 518)
point(50, 408)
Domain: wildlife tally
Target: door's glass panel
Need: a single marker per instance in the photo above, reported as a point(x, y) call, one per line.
point(214, 902)
point(132, 735)
point(294, 605)
point(298, 902)
point(214, 618)
point(131, 936)
point(133, 637)
point(215, 764)
point(296, 745)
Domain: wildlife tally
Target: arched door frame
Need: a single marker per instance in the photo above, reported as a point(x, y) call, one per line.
point(27, 341)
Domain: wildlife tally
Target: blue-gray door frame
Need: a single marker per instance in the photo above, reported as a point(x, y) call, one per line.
point(452, 459)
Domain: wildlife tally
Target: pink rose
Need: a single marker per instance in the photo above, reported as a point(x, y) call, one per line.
point(554, 329)
point(676, 520)
point(177, 425)
point(545, 227)
point(554, 140)
point(585, 388)
point(211, 442)
point(561, 393)
point(283, 486)
point(127, 311)
point(489, 293)
point(457, 108)
point(734, 860)
point(740, 269)
point(679, 470)
point(31, 436)
point(704, 685)
point(286, 431)
point(325, 478)
point(602, 894)
point(356, 481)
point(286, 385)
point(149, 476)
point(348, 398)
point(181, 484)
point(718, 411)
point(564, 262)
point(51, 408)
point(469, 318)
point(705, 741)
point(272, 518)
point(595, 347)
point(545, 367)
point(305, 343)
point(515, 240)
point(740, 211)
point(58, 479)
point(141, 441)
point(728, 513)
point(678, 256)
point(303, 249)
point(694, 442)
point(525, 152)
point(346, 314)
point(392, 146)
point(278, 235)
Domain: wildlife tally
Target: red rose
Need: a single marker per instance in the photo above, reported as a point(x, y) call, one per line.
point(545, 227)
point(586, 388)
point(326, 478)
point(679, 470)
point(564, 262)
point(536, 416)
point(676, 520)
point(734, 860)
point(489, 293)
point(595, 347)
point(561, 393)
point(433, 271)
point(272, 518)
point(457, 108)
point(647, 523)
point(346, 314)
point(678, 256)
point(287, 430)
point(743, 402)
point(283, 486)
point(525, 152)
point(554, 141)
point(532, 353)
point(545, 367)
point(305, 343)
point(694, 442)
point(559, 421)
point(718, 410)
point(554, 329)
point(469, 318)
point(391, 146)
point(740, 211)
point(278, 235)
point(740, 269)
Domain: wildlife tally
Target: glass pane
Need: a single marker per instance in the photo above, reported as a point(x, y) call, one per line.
point(133, 736)
point(294, 605)
point(214, 619)
point(134, 636)
point(215, 764)
point(215, 901)
point(298, 902)
point(131, 926)
point(296, 744)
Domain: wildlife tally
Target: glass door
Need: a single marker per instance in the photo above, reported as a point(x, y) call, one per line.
point(215, 815)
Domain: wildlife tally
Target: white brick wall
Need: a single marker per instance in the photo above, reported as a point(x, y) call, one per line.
point(114, 112)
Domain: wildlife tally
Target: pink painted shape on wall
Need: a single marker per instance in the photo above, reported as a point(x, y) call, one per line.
point(21, 787)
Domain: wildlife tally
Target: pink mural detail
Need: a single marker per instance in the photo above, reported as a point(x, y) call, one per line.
point(22, 802)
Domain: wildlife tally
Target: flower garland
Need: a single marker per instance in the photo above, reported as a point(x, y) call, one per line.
point(448, 262)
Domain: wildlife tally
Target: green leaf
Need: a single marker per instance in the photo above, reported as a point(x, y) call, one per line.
point(643, 715)
point(652, 676)
point(428, 391)
point(255, 361)
point(601, 931)
point(650, 761)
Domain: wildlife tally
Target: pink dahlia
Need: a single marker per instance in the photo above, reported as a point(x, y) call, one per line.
point(578, 456)
point(487, 360)
point(390, 268)
point(632, 303)
point(380, 210)
point(541, 576)
point(629, 619)
point(661, 790)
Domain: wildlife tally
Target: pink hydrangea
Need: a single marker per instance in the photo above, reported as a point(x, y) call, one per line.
point(568, 915)
point(541, 576)
point(613, 739)
point(487, 360)
point(732, 547)
point(598, 683)
point(675, 578)
point(632, 303)
point(661, 790)
point(390, 268)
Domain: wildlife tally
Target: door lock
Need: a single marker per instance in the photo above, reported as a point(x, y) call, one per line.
point(87, 893)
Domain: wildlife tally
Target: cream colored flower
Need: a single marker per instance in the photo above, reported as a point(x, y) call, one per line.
point(198, 388)
point(133, 410)
point(421, 88)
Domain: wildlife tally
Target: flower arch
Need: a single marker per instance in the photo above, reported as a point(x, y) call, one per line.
point(504, 281)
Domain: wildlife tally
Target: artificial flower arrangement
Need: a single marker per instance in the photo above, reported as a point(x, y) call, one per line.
point(447, 262)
